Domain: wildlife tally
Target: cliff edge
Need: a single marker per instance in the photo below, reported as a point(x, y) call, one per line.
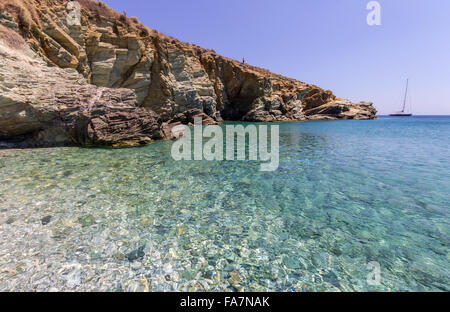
point(112, 81)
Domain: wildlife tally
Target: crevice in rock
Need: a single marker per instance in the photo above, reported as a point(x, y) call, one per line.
point(237, 108)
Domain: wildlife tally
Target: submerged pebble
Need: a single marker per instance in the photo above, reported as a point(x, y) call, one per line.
point(154, 224)
point(136, 254)
point(46, 220)
point(86, 221)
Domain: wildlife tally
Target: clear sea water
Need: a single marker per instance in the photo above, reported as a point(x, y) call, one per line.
point(346, 193)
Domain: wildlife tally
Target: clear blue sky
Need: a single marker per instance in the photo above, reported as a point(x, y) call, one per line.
point(324, 42)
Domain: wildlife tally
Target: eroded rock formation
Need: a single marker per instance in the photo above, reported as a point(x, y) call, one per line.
point(46, 106)
point(111, 80)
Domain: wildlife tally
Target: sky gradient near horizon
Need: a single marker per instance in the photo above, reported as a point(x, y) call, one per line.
point(323, 42)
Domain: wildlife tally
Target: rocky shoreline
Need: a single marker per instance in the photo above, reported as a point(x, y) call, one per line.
point(114, 82)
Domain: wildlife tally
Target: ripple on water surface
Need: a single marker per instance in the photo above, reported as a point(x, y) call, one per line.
point(346, 193)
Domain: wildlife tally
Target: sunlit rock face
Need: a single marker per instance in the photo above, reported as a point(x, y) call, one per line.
point(165, 76)
point(47, 106)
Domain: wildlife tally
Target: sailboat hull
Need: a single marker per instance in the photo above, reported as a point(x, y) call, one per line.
point(401, 115)
point(402, 112)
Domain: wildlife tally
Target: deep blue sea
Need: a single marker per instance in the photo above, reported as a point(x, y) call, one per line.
point(346, 194)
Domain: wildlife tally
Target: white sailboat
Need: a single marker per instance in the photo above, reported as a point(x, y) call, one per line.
point(403, 113)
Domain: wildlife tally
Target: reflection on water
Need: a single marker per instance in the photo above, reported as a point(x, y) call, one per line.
point(346, 194)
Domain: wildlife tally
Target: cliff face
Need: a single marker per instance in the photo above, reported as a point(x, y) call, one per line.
point(45, 106)
point(141, 71)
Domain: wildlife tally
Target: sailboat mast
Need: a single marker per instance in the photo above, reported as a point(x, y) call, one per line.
point(406, 93)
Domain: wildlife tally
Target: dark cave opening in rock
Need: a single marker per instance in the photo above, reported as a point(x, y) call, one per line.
point(237, 108)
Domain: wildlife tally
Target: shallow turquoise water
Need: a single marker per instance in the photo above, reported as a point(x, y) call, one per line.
point(346, 193)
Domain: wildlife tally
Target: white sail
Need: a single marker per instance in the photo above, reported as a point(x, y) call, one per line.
point(403, 111)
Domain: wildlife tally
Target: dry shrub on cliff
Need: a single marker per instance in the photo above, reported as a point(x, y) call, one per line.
point(12, 39)
point(98, 8)
point(144, 31)
point(198, 51)
point(23, 11)
point(124, 19)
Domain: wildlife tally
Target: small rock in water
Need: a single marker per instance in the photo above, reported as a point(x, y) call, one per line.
point(336, 251)
point(146, 221)
point(136, 254)
point(74, 279)
point(86, 221)
point(180, 230)
point(291, 263)
point(235, 278)
point(67, 173)
point(10, 220)
point(119, 256)
point(188, 275)
point(46, 220)
point(332, 279)
point(208, 274)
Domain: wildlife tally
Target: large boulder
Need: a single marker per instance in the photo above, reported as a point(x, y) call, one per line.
point(47, 106)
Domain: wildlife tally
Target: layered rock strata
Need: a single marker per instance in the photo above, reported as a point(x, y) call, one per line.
point(47, 106)
point(110, 65)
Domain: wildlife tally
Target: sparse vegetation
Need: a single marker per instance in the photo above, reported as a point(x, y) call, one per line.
point(123, 17)
point(23, 12)
point(144, 31)
point(12, 39)
point(198, 51)
point(98, 8)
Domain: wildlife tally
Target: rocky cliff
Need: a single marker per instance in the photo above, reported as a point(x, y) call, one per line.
point(111, 80)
